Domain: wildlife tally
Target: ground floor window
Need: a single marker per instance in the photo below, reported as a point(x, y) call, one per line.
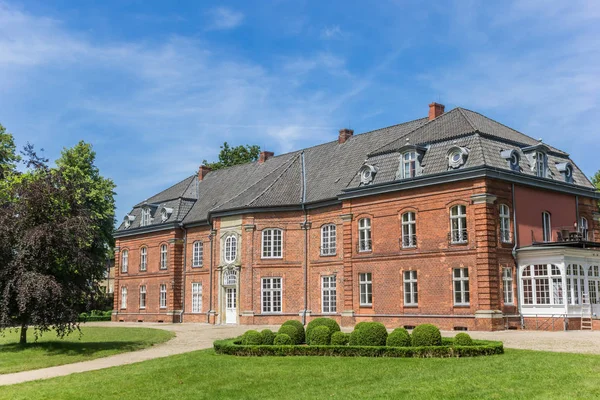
point(594, 284)
point(575, 284)
point(460, 276)
point(542, 284)
point(143, 296)
point(410, 288)
point(507, 285)
point(196, 297)
point(329, 294)
point(271, 295)
point(163, 296)
point(123, 297)
point(366, 289)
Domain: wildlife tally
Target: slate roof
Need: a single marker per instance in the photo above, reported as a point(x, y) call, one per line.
point(322, 172)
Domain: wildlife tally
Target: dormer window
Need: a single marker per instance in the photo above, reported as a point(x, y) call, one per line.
point(409, 164)
point(165, 213)
point(566, 170)
point(145, 216)
point(367, 174)
point(128, 220)
point(457, 156)
point(512, 158)
point(540, 164)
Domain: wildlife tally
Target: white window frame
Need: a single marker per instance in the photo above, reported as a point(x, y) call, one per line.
point(162, 300)
point(144, 258)
point(329, 294)
point(575, 284)
point(411, 289)
point(164, 254)
point(409, 230)
point(458, 224)
point(197, 254)
point(507, 286)
point(584, 228)
point(145, 220)
point(540, 164)
point(143, 297)
point(271, 295)
point(460, 286)
point(365, 282)
point(365, 237)
point(546, 226)
point(272, 243)
point(542, 279)
point(505, 224)
point(124, 261)
point(328, 240)
point(123, 297)
point(410, 164)
point(196, 297)
point(230, 248)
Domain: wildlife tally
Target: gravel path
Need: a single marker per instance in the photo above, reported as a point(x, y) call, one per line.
point(190, 337)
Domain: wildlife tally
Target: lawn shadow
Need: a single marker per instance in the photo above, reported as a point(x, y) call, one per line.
point(74, 348)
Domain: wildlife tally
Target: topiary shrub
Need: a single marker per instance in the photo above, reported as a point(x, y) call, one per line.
point(320, 336)
point(398, 338)
point(291, 331)
point(251, 337)
point(300, 336)
point(328, 322)
point(282, 339)
point(357, 326)
point(369, 334)
point(339, 339)
point(426, 335)
point(267, 336)
point(463, 339)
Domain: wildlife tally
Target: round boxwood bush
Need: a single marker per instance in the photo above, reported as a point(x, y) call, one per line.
point(398, 338)
point(267, 336)
point(251, 337)
point(339, 339)
point(291, 331)
point(328, 322)
point(282, 339)
point(426, 335)
point(463, 339)
point(300, 336)
point(319, 336)
point(369, 334)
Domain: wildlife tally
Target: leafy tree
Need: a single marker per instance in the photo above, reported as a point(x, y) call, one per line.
point(229, 156)
point(53, 242)
point(596, 180)
point(8, 156)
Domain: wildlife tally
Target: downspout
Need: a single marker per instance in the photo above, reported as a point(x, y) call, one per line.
point(577, 212)
point(305, 227)
point(514, 252)
point(184, 271)
point(210, 276)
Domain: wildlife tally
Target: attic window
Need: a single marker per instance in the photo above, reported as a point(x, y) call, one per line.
point(128, 220)
point(566, 170)
point(165, 213)
point(409, 164)
point(367, 174)
point(145, 216)
point(540, 164)
point(512, 158)
point(457, 156)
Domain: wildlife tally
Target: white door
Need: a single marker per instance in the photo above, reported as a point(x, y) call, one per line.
point(594, 289)
point(230, 305)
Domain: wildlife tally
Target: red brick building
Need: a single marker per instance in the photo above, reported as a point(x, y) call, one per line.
point(454, 219)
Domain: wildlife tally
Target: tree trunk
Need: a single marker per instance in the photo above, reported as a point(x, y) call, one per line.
point(23, 339)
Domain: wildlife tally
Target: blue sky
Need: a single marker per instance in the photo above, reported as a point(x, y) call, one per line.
point(157, 86)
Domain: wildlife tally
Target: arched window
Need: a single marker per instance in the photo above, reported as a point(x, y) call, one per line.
point(409, 164)
point(230, 253)
point(542, 285)
point(143, 259)
point(272, 243)
point(575, 284)
point(546, 227)
point(409, 230)
point(163, 256)
point(230, 277)
point(364, 234)
point(504, 223)
point(540, 164)
point(198, 252)
point(583, 228)
point(328, 240)
point(124, 261)
point(458, 224)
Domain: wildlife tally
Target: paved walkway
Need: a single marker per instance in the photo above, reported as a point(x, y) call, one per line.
point(190, 337)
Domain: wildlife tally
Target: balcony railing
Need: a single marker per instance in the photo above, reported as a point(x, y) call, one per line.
point(408, 241)
point(364, 245)
point(568, 234)
point(458, 236)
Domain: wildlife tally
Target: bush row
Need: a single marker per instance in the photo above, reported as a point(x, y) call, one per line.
point(95, 315)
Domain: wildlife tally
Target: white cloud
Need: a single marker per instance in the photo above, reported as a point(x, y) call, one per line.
point(224, 18)
point(331, 32)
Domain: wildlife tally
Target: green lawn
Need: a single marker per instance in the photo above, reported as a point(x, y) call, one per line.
point(206, 375)
point(95, 342)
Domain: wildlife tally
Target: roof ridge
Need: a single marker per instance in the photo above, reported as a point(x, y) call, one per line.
point(162, 191)
point(499, 123)
point(462, 112)
point(478, 136)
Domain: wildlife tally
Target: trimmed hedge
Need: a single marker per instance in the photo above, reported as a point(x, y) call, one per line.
point(426, 335)
point(399, 338)
point(300, 336)
point(292, 332)
point(95, 316)
point(480, 348)
point(252, 337)
point(320, 336)
point(281, 339)
point(322, 321)
point(339, 339)
point(267, 336)
point(368, 334)
point(463, 339)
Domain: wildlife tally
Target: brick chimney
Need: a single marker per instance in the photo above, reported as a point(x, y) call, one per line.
point(345, 134)
point(264, 156)
point(202, 171)
point(435, 110)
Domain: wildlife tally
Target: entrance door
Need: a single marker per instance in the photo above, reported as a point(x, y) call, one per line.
point(230, 305)
point(594, 289)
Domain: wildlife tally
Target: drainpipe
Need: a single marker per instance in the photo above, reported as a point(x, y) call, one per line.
point(305, 227)
point(184, 271)
point(577, 211)
point(210, 275)
point(514, 253)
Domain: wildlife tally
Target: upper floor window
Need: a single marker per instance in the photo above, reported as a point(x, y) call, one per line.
point(328, 240)
point(458, 224)
point(124, 261)
point(198, 252)
point(230, 253)
point(583, 228)
point(546, 227)
point(145, 216)
point(143, 258)
point(364, 234)
point(163, 256)
point(504, 223)
point(540, 164)
point(409, 230)
point(272, 243)
point(409, 164)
